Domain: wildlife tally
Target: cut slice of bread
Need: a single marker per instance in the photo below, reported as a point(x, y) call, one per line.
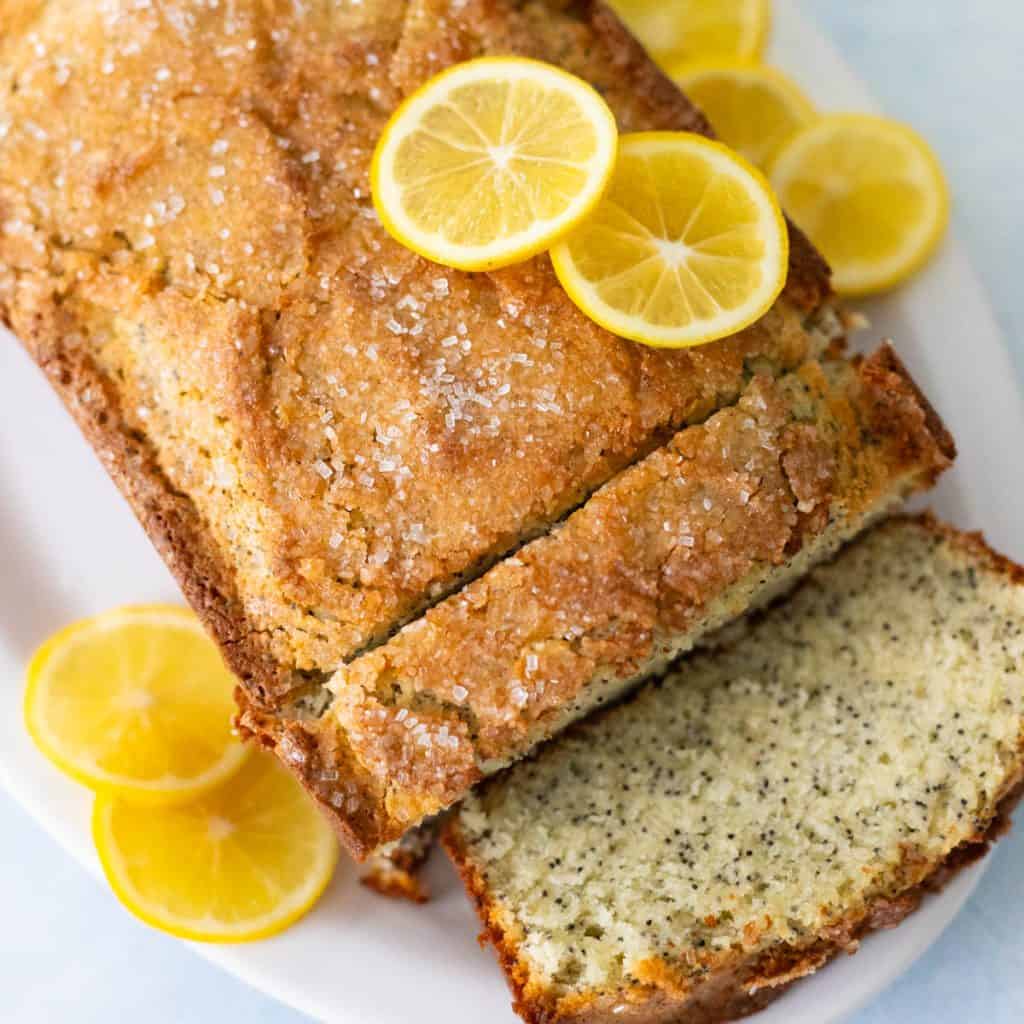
point(685, 856)
point(722, 518)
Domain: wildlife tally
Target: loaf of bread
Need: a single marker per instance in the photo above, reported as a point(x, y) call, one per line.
point(720, 519)
point(687, 855)
point(323, 433)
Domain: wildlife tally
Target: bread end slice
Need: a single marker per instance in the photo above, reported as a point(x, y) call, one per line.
point(687, 856)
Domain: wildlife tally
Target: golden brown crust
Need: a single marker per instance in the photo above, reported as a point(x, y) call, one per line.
point(169, 519)
point(900, 402)
point(974, 545)
point(671, 548)
point(126, 251)
point(746, 983)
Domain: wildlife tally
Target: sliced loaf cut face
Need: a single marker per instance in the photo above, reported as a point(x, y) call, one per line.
point(721, 519)
point(685, 856)
point(322, 432)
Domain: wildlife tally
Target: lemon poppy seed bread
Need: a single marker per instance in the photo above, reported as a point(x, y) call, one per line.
point(323, 433)
point(688, 854)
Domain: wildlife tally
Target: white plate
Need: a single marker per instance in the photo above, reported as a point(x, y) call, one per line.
point(70, 547)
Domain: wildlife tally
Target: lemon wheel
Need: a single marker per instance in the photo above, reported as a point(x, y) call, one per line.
point(676, 30)
point(239, 863)
point(753, 108)
point(491, 161)
point(870, 194)
point(136, 702)
point(688, 245)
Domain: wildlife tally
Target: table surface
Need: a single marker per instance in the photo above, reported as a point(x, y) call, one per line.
point(951, 69)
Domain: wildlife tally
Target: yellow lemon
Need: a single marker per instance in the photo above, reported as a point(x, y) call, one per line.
point(753, 108)
point(241, 862)
point(675, 30)
point(491, 161)
point(871, 195)
point(135, 702)
point(688, 245)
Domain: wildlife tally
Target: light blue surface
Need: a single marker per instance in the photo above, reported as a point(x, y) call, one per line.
point(953, 69)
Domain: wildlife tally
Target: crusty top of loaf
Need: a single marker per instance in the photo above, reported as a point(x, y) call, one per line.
point(345, 431)
point(832, 752)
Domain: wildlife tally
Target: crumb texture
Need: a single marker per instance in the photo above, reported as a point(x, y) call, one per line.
point(187, 237)
point(769, 794)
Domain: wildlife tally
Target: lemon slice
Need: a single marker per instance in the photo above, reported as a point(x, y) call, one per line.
point(491, 161)
point(675, 30)
point(687, 246)
point(753, 108)
point(871, 195)
point(136, 702)
point(239, 863)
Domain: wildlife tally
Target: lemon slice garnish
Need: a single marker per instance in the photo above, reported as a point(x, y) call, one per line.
point(675, 30)
point(241, 862)
point(135, 702)
point(870, 194)
point(491, 161)
point(688, 245)
point(753, 108)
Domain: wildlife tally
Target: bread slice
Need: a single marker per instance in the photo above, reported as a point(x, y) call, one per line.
point(322, 432)
point(721, 519)
point(687, 855)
